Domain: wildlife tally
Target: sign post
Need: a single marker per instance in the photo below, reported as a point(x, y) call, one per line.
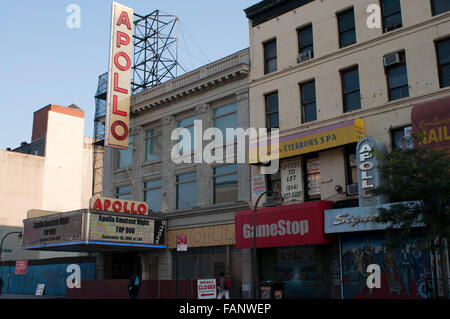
point(181, 246)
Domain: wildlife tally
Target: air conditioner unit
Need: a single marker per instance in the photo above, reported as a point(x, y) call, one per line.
point(352, 189)
point(304, 56)
point(273, 201)
point(391, 59)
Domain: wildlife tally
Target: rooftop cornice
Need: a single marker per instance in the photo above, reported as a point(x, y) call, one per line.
point(233, 67)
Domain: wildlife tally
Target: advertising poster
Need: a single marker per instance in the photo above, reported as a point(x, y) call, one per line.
point(258, 185)
point(405, 271)
point(21, 267)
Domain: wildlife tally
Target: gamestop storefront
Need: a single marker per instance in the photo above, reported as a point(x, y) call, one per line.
point(292, 248)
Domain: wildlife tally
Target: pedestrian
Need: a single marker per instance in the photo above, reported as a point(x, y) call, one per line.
point(1, 285)
point(133, 286)
point(224, 286)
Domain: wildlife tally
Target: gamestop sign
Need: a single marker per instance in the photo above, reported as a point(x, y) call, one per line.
point(300, 224)
point(119, 77)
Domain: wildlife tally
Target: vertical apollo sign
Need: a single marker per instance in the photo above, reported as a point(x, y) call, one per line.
point(119, 77)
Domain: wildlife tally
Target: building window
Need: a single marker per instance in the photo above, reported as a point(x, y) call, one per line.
point(308, 96)
point(350, 87)
point(270, 56)
point(397, 78)
point(202, 262)
point(392, 15)
point(186, 185)
point(153, 144)
point(305, 41)
point(123, 192)
point(187, 146)
point(350, 160)
point(125, 157)
point(402, 138)
point(226, 117)
point(347, 30)
point(443, 57)
point(225, 183)
point(152, 194)
point(440, 6)
point(274, 182)
point(312, 178)
point(272, 118)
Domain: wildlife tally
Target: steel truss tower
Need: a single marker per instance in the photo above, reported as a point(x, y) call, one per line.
point(155, 50)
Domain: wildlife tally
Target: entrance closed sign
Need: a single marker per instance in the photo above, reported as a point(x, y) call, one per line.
point(206, 289)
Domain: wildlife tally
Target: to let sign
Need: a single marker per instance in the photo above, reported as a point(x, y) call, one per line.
point(291, 177)
point(206, 289)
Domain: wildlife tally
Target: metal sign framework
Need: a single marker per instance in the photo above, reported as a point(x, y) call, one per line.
point(155, 60)
point(155, 50)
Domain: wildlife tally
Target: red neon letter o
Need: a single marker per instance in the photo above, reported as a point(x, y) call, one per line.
point(115, 204)
point(141, 209)
point(114, 133)
point(127, 58)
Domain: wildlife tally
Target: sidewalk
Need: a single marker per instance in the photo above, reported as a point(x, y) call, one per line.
point(12, 296)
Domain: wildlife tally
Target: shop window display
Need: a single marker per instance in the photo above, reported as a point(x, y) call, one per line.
point(303, 270)
point(405, 271)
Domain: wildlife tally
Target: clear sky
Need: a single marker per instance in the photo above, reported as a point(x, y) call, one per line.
point(45, 62)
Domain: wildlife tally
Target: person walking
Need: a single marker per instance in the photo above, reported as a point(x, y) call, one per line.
point(1, 285)
point(133, 286)
point(224, 286)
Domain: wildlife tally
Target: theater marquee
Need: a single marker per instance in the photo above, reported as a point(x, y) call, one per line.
point(119, 77)
point(93, 231)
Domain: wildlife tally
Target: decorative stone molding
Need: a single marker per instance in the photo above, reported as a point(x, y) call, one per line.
point(167, 120)
point(202, 108)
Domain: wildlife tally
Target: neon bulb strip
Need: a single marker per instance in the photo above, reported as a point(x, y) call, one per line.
point(96, 243)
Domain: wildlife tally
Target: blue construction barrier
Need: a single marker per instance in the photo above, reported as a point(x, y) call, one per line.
point(54, 276)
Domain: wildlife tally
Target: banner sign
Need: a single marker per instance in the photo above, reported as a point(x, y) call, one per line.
point(119, 77)
point(288, 225)
point(312, 140)
point(115, 205)
point(432, 121)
